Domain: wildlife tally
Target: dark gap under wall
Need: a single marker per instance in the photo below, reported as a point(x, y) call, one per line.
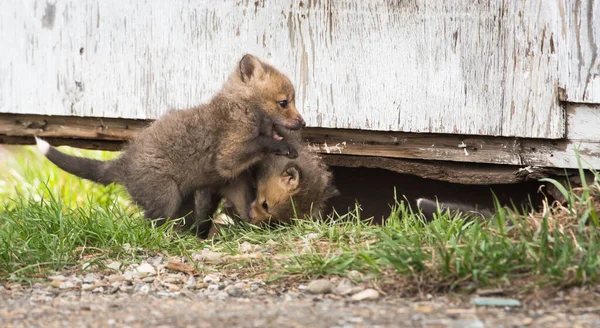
point(374, 191)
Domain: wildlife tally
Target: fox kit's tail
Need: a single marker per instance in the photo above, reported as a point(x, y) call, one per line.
point(91, 169)
point(429, 207)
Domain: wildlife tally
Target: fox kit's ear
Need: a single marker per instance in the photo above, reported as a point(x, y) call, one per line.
point(331, 191)
point(251, 68)
point(291, 177)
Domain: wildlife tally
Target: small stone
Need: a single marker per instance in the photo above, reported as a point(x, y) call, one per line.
point(344, 287)
point(234, 291)
point(114, 265)
point(98, 290)
point(56, 283)
point(191, 282)
point(222, 295)
point(211, 279)
point(254, 287)
point(115, 278)
point(246, 247)
point(172, 287)
point(148, 280)
point(212, 288)
point(66, 285)
point(208, 256)
point(527, 321)
point(87, 287)
point(57, 277)
point(312, 235)
point(367, 294)
point(476, 323)
point(424, 309)
point(490, 301)
point(146, 268)
point(128, 275)
point(141, 288)
point(319, 286)
point(86, 266)
point(89, 278)
point(201, 285)
point(354, 275)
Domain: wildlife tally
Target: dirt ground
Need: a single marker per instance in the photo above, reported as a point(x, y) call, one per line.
point(149, 295)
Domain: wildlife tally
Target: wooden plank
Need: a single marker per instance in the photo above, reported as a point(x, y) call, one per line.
point(70, 127)
point(464, 67)
point(580, 63)
point(464, 173)
point(438, 147)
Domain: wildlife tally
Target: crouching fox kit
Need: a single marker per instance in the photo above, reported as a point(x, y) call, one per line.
point(279, 189)
point(197, 151)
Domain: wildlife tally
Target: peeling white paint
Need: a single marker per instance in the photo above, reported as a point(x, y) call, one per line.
point(460, 67)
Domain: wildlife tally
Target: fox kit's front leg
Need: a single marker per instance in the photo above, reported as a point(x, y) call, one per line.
point(234, 160)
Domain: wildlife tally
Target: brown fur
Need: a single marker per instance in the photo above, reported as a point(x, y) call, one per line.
point(182, 161)
point(290, 188)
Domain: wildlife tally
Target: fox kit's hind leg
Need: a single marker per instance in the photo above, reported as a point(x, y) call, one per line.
point(205, 204)
point(164, 205)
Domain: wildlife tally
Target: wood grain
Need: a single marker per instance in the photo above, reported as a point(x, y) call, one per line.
point(466, 67)
point(436, 147)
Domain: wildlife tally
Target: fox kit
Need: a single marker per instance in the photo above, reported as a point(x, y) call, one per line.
point(280, 188)
point(182, 161)
point(429, 208)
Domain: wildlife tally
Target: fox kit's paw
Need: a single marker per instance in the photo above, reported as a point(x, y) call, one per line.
point(286, 150)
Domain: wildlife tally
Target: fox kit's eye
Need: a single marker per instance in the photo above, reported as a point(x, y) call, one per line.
point(265, 205)
point(283, 103)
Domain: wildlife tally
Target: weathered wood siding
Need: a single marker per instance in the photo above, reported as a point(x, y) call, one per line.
point(482, 68)
point(581, 62)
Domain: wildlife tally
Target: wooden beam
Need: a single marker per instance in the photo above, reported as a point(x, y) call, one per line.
point(111, 132)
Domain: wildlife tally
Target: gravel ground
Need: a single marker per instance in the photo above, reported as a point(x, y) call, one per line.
point(170, 293)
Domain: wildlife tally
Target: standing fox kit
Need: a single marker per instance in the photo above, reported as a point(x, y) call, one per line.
point(198, 151)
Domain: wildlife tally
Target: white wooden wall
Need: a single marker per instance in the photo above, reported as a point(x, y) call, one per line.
point(457, 66)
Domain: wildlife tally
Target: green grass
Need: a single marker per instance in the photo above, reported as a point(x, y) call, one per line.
point(50, 220)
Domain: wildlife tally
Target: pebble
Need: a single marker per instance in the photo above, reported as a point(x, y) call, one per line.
point(66, 285)
point(367, 294)
point(234, 291)
point(57, 277)
point(319, 286)
point(354, 275)
point(246, 247)
point(115, 265)
point(208, 256)
point(141, 288)
point(115, 278)
point(345, 287)
point(211, 279)
point(212, 288)
point(312, 235)
point(191, 282)
point(148, 279)
point(201, 285)
point(222, 296)
point(89, 278)
point(146, 268)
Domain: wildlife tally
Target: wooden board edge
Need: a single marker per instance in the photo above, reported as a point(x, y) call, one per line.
point(110, 133)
